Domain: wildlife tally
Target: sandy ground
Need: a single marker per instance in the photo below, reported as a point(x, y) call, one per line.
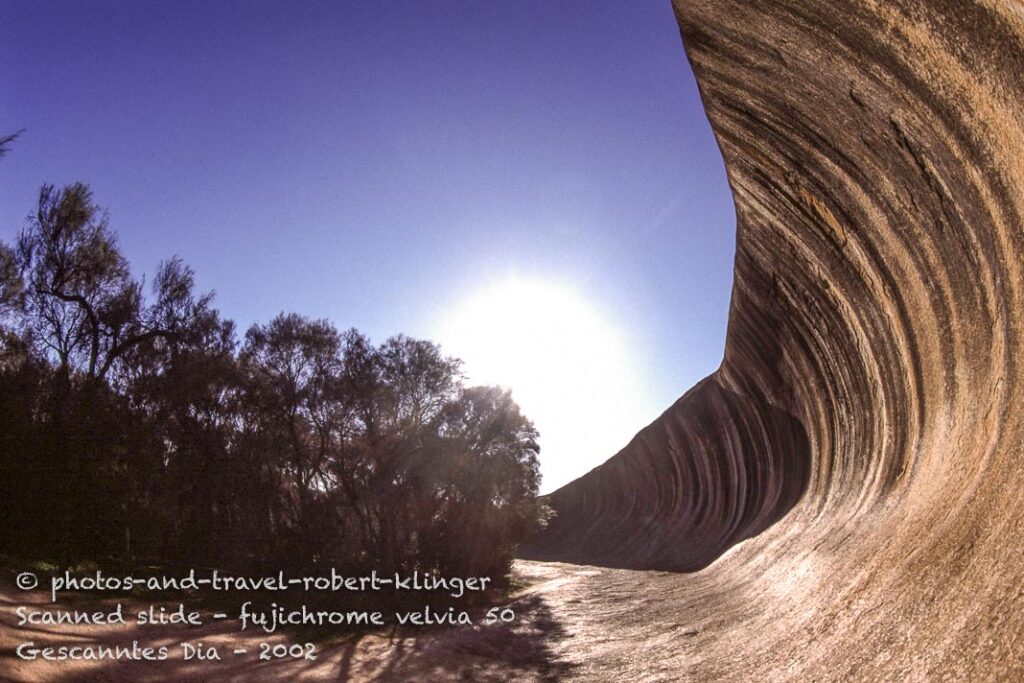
point(535, 647)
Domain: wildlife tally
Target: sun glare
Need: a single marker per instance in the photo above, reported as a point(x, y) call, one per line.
point(568, 367)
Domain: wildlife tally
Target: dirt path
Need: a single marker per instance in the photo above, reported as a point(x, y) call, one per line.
point(555, 632)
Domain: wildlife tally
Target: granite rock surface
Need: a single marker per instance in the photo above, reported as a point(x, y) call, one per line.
point(849, 485)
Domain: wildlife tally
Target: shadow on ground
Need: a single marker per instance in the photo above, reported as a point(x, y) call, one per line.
point(522, 650)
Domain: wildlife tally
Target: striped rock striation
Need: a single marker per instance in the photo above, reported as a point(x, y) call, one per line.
point(864, 431)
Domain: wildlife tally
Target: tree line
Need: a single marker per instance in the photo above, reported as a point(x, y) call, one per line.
point(136, 424)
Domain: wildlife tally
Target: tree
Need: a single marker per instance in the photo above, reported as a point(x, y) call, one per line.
point(292, 373)
point(486, 491)
point(12, 302)
point(432, 475)
point(135, 426)
point(5, 142)
point(88, 452)
point(86, 308)
point(193, 495)
point(12, 287)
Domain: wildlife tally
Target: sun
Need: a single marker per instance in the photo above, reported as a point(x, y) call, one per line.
point(568, 365)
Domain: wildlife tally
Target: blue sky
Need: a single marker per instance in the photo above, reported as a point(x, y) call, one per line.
point(376, 162)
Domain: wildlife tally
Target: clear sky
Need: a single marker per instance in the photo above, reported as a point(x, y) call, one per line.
point(405, 167)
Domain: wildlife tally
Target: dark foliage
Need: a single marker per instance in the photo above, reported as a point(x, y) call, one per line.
point(138, 427)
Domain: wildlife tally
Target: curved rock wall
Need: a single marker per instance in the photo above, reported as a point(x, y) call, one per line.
point(870, 397)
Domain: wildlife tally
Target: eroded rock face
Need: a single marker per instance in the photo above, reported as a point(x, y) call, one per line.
point(865, 428)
